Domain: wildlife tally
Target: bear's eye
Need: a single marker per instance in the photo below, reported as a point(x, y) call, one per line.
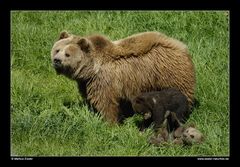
point(57, 51)
point(192, 136)
point(67, 55)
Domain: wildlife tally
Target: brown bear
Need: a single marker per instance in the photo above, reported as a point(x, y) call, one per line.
point(110, 73)
point(156, 106)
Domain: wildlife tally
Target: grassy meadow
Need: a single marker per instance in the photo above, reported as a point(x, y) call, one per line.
point(48, 117)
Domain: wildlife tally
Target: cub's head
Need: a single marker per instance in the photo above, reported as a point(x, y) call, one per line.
point(192, 135)
point(140, 106)
point(70, 54)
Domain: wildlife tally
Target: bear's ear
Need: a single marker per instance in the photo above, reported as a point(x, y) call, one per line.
point(63, 34)
point(202, 138)
point(84, 44)
point(192, 125)
point(99, 42)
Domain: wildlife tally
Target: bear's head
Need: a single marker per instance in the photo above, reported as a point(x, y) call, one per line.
point(191, 135)
point(140, 106)
point(71, 54)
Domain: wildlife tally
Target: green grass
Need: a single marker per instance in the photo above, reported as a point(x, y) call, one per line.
point(47, 114)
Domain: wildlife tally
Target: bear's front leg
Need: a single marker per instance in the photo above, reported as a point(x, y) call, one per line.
point(102, 99)
point(110, 113)
point(144, 124)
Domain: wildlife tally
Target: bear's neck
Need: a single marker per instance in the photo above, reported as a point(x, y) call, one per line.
point(84, 76)
point(84, 72)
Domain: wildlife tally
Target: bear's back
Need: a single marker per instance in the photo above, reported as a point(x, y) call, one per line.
point(142, 43)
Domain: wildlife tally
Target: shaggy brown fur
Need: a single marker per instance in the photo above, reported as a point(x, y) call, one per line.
point(109, 74)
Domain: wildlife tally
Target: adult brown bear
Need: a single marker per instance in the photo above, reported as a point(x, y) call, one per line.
point(110, 73)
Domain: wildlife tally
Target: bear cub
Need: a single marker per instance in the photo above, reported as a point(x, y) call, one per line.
point(156, 106)
point(187, 135)
point(184, 135)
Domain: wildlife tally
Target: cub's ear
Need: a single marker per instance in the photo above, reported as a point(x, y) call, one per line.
point(63, 34)
point(202, 138)
point(192, 125)
point(84, 44)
